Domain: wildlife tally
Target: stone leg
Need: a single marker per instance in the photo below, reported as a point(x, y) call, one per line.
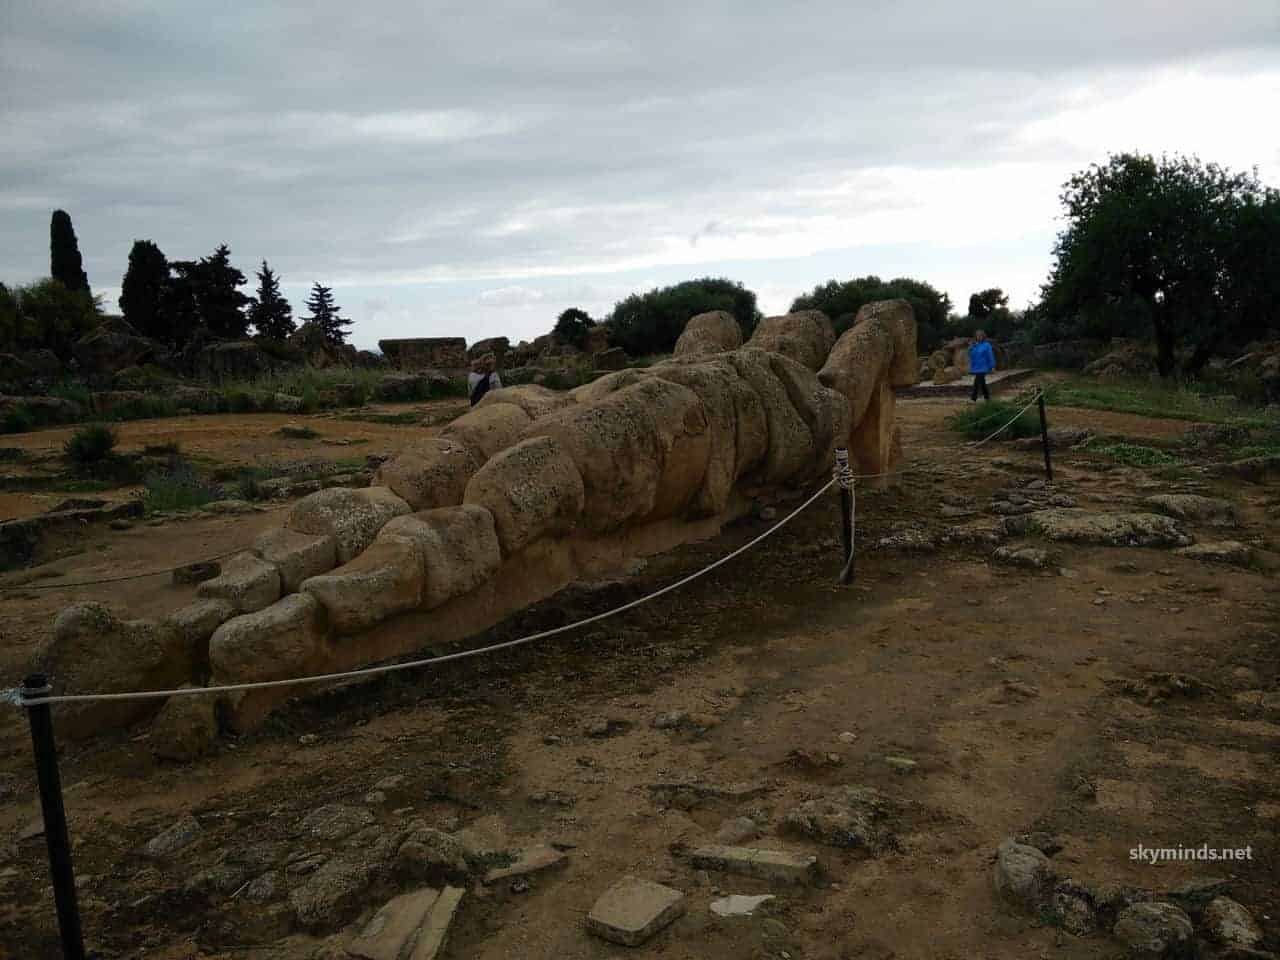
point(873, 443)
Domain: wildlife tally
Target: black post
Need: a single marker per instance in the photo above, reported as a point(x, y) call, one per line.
point(1044, 438)
point(846, 517)
point(55, 817)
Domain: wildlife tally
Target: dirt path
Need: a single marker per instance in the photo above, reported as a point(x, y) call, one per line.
point(1020, 700)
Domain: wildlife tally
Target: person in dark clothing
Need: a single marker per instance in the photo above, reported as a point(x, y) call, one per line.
point(982, 361)
point(482, 378)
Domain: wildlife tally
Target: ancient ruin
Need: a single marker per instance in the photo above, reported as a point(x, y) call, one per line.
point(426, 353)
point(526, 493)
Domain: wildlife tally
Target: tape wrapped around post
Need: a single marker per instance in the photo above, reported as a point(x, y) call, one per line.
point(845, 480)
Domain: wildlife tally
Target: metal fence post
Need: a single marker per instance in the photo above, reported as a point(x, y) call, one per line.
point(55, 816)
point(845, 478)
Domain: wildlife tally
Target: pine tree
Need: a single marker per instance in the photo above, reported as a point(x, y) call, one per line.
point(270, 313)
point(143, 291)
point(324, 314)
point(221, 303)
point(65, 264)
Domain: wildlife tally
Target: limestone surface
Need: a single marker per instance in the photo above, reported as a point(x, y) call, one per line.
point(633, 910)
point(458, 545)
point(352, 517)
point(296, 555)
point(246, 582)
point(488, 429)
point(430, 473)
point(777, 866)
point(269, 644)
point(534, 399)
point(709, 333)
point(805, 337)
point(184, 728)
point(531, 490)
point(384, 580)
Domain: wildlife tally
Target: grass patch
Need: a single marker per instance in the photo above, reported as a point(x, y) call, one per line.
point(1131, 454)
point(1200, 402)
point(405, 418)
point(177, 487)
point(170, 448)
point(90, 444)
point(980, 420)
point(297, 433)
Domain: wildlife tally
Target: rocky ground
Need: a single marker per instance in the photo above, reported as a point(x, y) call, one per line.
point(952, 758)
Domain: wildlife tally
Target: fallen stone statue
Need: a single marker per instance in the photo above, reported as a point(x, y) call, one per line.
point(526, 493)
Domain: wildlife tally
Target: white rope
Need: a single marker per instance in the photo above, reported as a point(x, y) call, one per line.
point(1034, 401)
point(411, 664)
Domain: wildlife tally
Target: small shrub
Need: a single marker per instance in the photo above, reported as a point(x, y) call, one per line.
point(18, 419)
point(239, 401)
point(150, 407)
point(978, 421)
point(297, 433)
point(249, 485)
point(177, 487)
point(90, 444)
point(310, 399)
point(170, 448)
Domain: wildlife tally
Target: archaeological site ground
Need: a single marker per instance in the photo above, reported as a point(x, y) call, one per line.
point(958, 755)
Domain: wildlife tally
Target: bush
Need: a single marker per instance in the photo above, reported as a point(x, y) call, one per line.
point(841, 301)
point(17, 419)
point(979, 421)
point(1131, 454)
point(652, 322)
point(177, 487)
point(249, 485)
point(572, 326)
point(90, 444)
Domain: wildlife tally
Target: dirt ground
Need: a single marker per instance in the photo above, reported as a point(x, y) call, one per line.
point(1016, 695)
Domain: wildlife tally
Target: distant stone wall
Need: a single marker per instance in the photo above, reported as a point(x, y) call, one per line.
point(426, 353)
point(514, 500)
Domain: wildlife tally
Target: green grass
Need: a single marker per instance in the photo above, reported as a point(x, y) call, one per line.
point(1131, 454)
point(178, 487)
point(980, 420)
point(1198, 403)
point(297, 433)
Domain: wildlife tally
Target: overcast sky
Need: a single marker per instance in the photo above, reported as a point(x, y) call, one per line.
point(473, 168)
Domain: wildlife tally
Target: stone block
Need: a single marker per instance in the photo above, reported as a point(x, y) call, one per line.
point(352, 517)
point(775, 866)
point(431, 472)
point(633, 910)
point(384, 580)
point(279, 641)
point(296, 555)
point(459, 548)
point(489, 429)
point(532, 490)
point(246, 582)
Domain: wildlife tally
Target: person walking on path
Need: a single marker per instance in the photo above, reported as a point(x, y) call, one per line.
point(483, 377)
point(982, 360)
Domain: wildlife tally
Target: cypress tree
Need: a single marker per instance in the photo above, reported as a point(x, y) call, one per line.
point(65, 264)
point(270, 313)
point(143, 291)
point(324, 314)
point(221, 303)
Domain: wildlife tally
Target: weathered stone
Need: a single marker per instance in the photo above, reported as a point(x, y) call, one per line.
point(790, 452)
point(1023, 875)
point(489, 429)
point(1153, 929)
point(426, 353)
point(736, 831)
point(91, 649)
point(1032, 558)
point(859, 363)
point(1220, 551)
point(824, 411)
point(805, 337)
point(279, 641)
point(633, 910)
point(431, 473)
point(296, 555)
point(386, 579)
point(177, 837)
point(641, 451)
point(111, 347)
point(352, 517)
point(1111, 529)
point(458, 545)
point(1195, 509)
point(334, 821)
point(1072, 909)
point(776, 866)
point(709, 333)
point(185, 727)
point(433, 856)
point(739, 905)
point(246, 582)
point(413, 926)
point(1228, 922)
point(614, 358)
point(533, 859)
point(532, 490)
point(490, 345)
point(333, 893)
point(852, 818)
point(533, 399)
point(610, 383)
point(196, 623)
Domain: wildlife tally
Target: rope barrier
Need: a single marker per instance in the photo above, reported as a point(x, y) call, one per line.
point(427, 661)
point(1034, 401)
point(131, 576)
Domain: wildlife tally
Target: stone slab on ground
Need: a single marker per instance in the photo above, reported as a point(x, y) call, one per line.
point(413, 926)
point(777, 866)
point(633, 910)
point(533, 859)
point(963, 386)
point(739, 904)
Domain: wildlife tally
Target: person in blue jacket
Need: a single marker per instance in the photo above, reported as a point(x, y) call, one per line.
point(982, 360)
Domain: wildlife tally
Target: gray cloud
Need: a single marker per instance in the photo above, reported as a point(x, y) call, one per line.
point(487, 149)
